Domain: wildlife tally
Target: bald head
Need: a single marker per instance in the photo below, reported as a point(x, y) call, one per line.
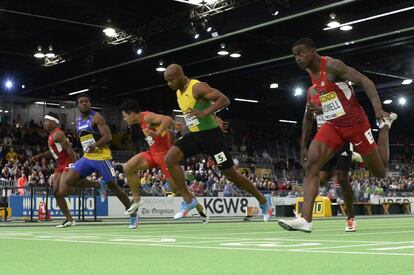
point(175, 77)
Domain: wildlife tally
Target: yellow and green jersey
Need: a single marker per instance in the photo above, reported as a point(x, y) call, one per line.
point(187, 102)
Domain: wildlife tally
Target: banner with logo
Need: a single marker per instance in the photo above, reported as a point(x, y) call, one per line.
point(21, 206)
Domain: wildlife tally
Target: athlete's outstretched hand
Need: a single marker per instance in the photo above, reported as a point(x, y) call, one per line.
point(303, 155)
point(224, 125)
point(380, 114)
point(314, 108)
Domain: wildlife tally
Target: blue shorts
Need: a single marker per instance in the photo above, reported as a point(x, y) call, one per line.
point(85, 167)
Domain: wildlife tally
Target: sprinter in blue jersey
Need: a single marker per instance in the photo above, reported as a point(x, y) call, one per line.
point(94, 136)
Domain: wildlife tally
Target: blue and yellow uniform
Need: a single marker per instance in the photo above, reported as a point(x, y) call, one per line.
point(99, 160)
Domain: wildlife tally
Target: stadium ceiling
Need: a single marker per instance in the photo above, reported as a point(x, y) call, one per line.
point(381, 44)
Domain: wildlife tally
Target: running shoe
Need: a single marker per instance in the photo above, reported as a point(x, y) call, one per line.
point(350, 225)
point(133, 208)
point(185, 208)
point(133, 220)
point(203, 213)
point(267, 210)
point(102, 190)
point(296, 224)
point(66, 223)
point(387, 120)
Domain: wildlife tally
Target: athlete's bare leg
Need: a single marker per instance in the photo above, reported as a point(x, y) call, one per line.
point(60, 192)
point(318, 154)
point(172, 160)
point(135, 164)
point(234, 176)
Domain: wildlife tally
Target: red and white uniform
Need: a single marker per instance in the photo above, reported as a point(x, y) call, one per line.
point(158, 147)
point(346, 121)
point(61, 156)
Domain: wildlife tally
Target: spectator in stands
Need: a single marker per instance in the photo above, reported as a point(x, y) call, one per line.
point(21, 184)
point(157, 189)
point(7, 140)
point(11, 155)
point(228, 189)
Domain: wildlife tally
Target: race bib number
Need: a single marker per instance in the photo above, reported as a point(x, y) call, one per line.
point(369, 136)
point(191, 121)
point(220, 157)
point(86, 141)
point(331, 106)
point(150, 140)
point(320, 120)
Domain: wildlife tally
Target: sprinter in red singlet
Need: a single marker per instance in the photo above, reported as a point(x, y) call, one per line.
point(155, 129)
point(346, 121)
point(62, 152)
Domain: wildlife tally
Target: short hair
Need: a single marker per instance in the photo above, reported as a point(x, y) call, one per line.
point(130, 105)
point(305, 41)
point(53, 115)
point(82, 95)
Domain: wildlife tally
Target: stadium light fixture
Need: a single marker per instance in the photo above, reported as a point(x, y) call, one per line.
point(39, 54)
point(110, 32)
point(223, 50)
point(346, 28)
point(402, 101)
point(160, 67)
point(78, 92)
point(246, 100)
point(288, 121)
point(387, 101)
point(298, 91)
point(333, 23)
point(407, 82)
point(274, 85)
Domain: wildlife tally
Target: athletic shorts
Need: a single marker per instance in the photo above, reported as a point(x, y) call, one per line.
point(85, 167)
point(207, 141)
point(341, 160)
point(157, 160)
point(359, 134)
point(61, 166)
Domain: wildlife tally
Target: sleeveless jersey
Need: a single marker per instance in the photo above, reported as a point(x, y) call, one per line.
point(158, 144)
point(187, 102)
point(339, 103)
point(88, 134)
point(55, 148)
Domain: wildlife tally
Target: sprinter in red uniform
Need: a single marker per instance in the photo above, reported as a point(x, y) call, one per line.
point(155, 129)
point(346, 121)
point(62, 152)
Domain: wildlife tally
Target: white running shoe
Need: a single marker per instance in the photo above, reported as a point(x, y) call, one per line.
point(203, 214)
point(66, 223)
point(133, 208)
point(296, 224)
point(350, 225)
point(387, 121)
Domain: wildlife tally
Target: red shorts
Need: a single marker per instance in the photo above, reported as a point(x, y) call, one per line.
point(157, 160)
point(61, 166)
point(360, 135)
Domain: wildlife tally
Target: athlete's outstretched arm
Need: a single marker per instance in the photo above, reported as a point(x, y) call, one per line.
point(339, 69)
point(62, 140)
point(307, 124)
point(104, 130)
point(204, 91)
point(163, 122)
point(46, 155)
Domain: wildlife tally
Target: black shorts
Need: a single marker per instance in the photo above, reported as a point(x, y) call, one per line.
point(340, 161)
point(207, 141)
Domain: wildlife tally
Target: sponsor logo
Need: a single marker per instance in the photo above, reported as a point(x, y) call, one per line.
point(225, 205)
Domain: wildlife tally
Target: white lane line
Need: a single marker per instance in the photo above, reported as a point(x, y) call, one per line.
point(393, 248)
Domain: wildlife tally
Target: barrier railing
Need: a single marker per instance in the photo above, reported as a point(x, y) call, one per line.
point(46, 194)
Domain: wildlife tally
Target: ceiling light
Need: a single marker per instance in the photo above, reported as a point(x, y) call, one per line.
point(196, 35)
point(407, 82)
point(39, 53)
point(209, 28)
point(222, 50)
point(298, 91)
point(387, 101)
point(346, 28)
point(40, 103)
point(333, 23)
point(369, 18)
point(8, 84)
point(78, 92)
point(402, 101)
point(274, 85)
point(139, 51)
point(110, 32)
point(6, 111)
point(288, 121)
point(23, 86)
point(275, 13)
point(235, 55)
point(50, 53)
point(246, 100)
point(160, 67)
